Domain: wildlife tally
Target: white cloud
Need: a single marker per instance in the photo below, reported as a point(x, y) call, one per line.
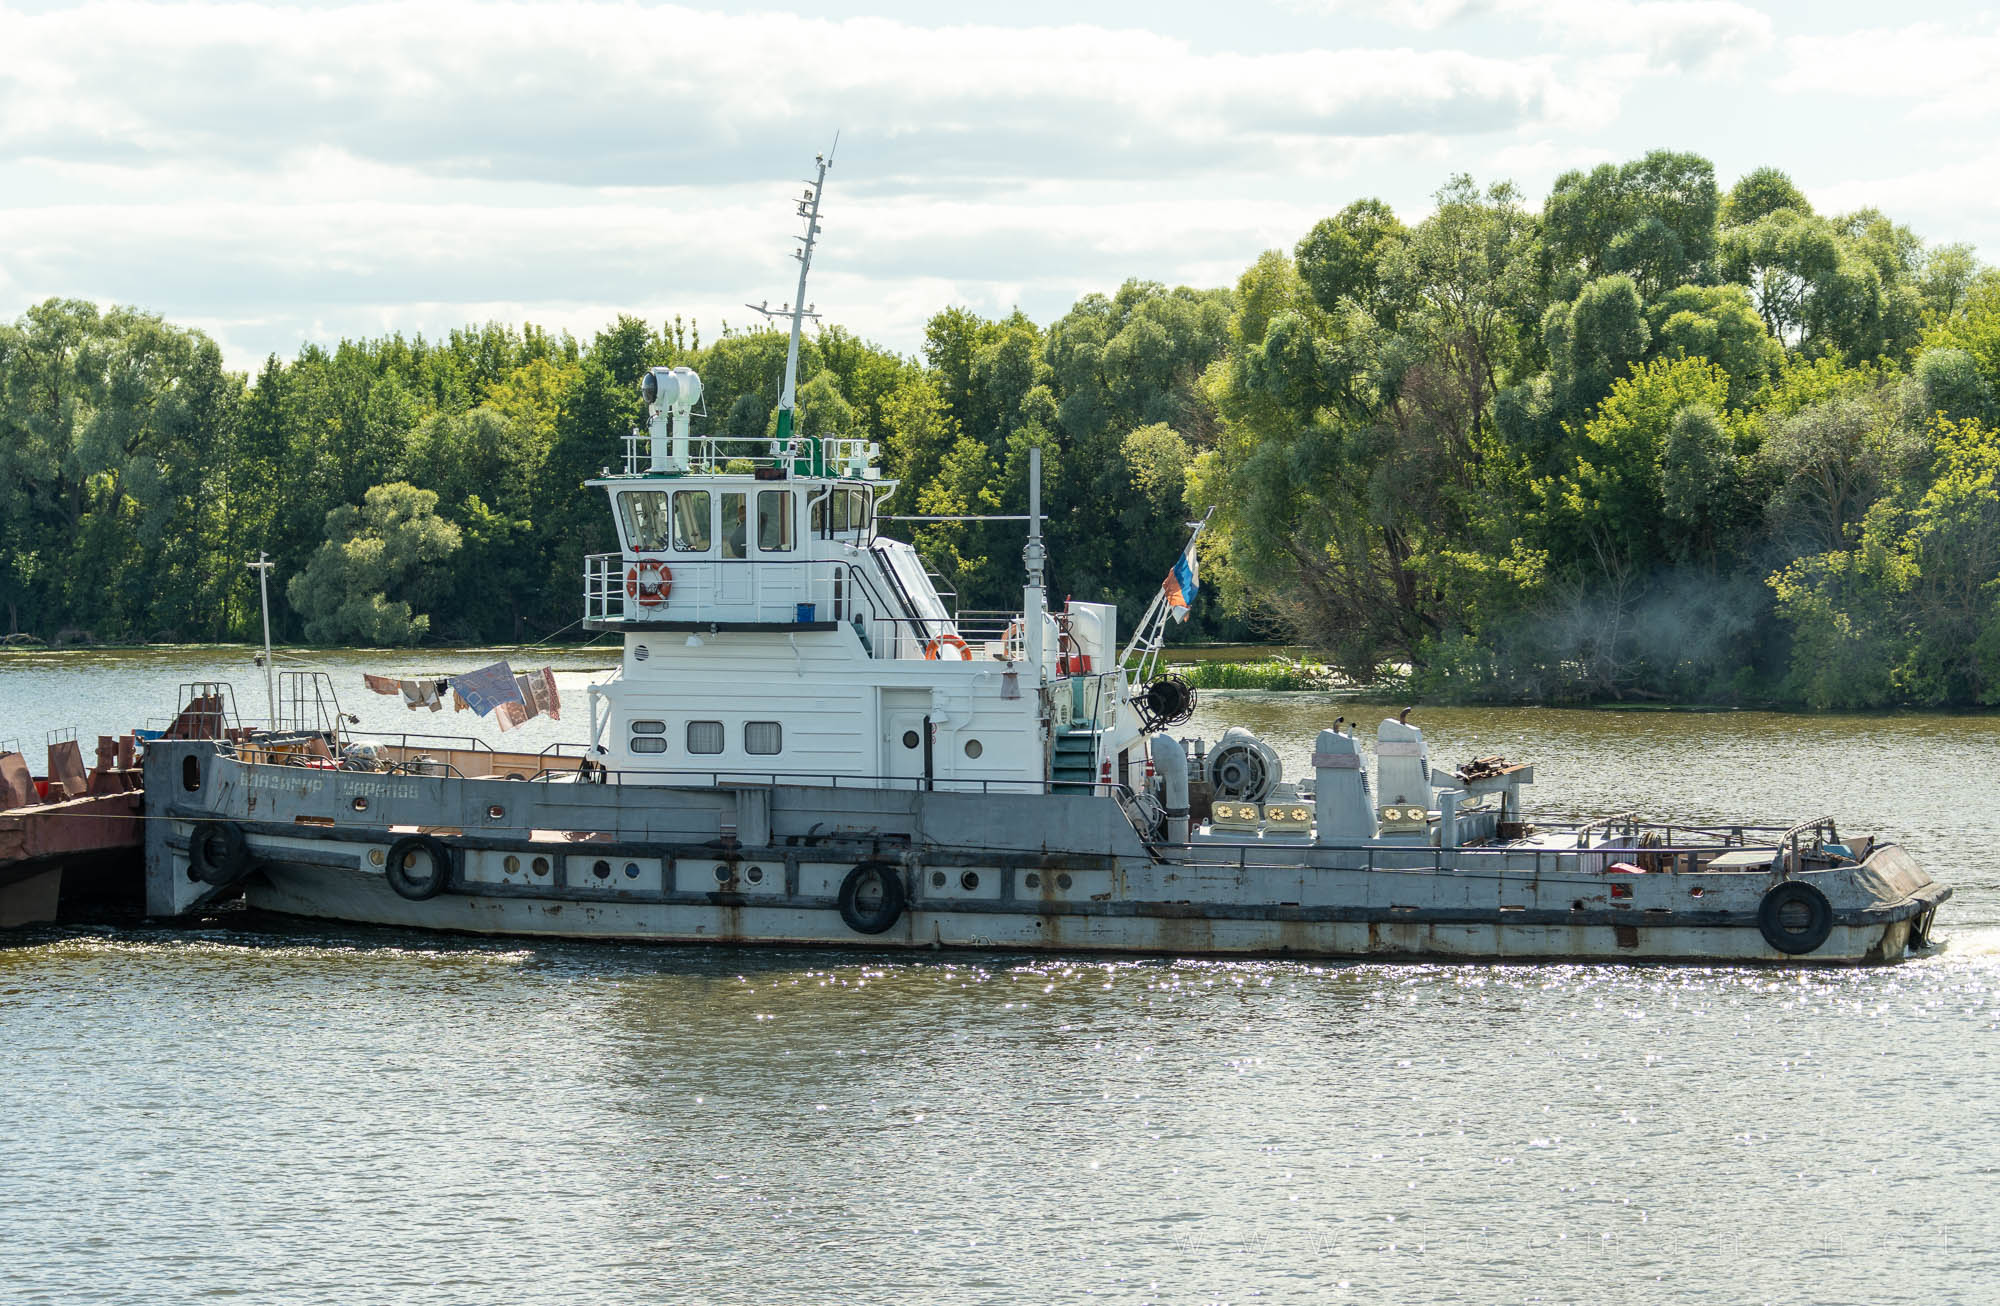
point(606, 93)
point(1672, 35)
point(1945, 72)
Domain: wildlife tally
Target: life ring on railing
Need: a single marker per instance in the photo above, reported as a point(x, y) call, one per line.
point(649, 583)
point(1011, 647)
point(935, 649)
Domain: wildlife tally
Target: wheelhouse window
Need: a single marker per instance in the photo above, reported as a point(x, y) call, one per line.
point(705, 736)
point(691, 529)
point(841, 501)
point(775, 528)
point(857, 511)
point(762, 738)
point(645, 513)
point(735, 523)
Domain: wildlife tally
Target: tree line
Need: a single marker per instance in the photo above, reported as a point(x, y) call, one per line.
point(1650, 439)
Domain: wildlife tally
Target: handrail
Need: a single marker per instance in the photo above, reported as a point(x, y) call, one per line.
point(1582, 831)
point(1786, 863)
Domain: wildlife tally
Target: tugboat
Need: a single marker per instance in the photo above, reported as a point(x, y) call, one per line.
point(807, 743)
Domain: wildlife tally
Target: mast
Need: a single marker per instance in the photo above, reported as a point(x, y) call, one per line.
point(263, 567)
point(798, 310)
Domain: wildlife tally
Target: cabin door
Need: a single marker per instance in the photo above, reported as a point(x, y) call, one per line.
point(906, 748)
point(733, 582)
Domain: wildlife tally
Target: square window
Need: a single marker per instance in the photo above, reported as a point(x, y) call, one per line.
point(704, 736)
point(691, 521)
point(774, 521)
point(762, 738)
point(735, 522)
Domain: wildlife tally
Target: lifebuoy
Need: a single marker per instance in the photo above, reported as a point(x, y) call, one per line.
point(649, 582)
point(871, 897)
point(935, 649)
point(415, 853)
point(1795, 918)
point(217, 853)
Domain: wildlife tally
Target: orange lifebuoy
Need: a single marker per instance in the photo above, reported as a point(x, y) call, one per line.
point(934, 650)
point(648, 582)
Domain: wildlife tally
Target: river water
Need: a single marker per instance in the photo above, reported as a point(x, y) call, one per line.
point(295, 1113)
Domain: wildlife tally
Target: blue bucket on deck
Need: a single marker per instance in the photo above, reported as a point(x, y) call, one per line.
point(806, 611)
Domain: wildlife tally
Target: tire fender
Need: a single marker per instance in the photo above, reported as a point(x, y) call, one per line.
point(868, 879)
point(415, 882)
point(1778, 918)
point(217, 853)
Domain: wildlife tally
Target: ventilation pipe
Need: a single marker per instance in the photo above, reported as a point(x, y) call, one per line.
point(1340, 791)
point(1170, 760)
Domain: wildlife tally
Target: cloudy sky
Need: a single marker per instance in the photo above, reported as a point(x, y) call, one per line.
point(276, 173)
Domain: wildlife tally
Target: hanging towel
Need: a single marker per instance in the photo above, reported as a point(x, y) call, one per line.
point(488, 687)
point(554, 707)
point(458, 703)
point(381, 684)
point(420, 693)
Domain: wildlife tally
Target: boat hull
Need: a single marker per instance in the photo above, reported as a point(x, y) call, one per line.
point(767, 863)
point(325, 893)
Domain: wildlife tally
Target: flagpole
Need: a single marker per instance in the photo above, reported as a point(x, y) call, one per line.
point(1156, 613)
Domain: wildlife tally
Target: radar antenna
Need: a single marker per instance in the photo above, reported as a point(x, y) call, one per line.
point(798, 310)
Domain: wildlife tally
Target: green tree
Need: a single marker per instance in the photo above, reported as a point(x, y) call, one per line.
point(381, 565)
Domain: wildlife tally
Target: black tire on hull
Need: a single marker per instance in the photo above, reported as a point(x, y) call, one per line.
point(420, 849)
point(871, 898)
point(217, 853)
point(1795, 918)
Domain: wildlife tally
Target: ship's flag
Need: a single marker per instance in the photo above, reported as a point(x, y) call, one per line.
point(1182, 583)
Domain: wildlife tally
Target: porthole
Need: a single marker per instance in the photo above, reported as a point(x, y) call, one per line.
point(973, 748)
point(631, 870)
point(540, 866)
point(639, 653)
point(1032, 880)
point(910, 739)
point(360, 803)
point(937, 879)
point(496, 813)
point(601, 869)
point(755, 875)
point(1063, 881)
point(724, 875)
point(512, 864)
point(969, 881)
point(376, 857)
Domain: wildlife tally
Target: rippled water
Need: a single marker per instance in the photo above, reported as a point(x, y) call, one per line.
point(298, 1114)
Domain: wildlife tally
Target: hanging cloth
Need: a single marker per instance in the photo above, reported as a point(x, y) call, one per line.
point(381, 684)
point(554, 705)
point(488, 688)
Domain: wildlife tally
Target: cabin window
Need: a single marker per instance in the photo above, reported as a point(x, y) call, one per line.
point(774, 521)
point(762, 738)
point(840, 506)
point(645, 520)
point(705, 736)
point(690, 521)
point(857, 512)
point(818, 514)
point(648, 744)
point(735, 522)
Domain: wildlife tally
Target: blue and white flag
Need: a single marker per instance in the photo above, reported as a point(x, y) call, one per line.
point(1182, 583)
